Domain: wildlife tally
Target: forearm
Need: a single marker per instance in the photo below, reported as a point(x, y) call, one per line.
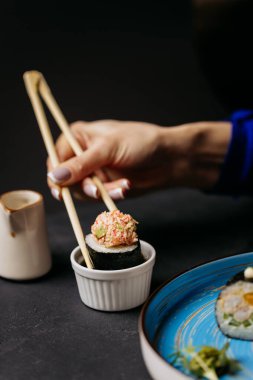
point(197, 151)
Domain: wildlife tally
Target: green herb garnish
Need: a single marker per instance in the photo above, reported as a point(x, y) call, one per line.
point(119, 226)
point(246, 323)
point(100, 232)
point(208, 362)
point(235, 323)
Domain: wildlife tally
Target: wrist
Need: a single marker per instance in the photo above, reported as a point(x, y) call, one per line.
point(197, 151)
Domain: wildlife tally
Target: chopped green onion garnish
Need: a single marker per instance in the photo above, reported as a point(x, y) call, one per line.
point(234, 322)
point(246, 323)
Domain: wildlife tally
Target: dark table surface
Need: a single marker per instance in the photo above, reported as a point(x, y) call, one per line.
point(47, 333)
point(101, 66)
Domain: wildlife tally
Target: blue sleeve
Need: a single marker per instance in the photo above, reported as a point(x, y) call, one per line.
point(237, 172)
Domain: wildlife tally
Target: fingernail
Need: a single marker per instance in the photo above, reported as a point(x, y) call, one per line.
point(116, 193)
point(90, 190)
point(59, 175)
point(126, 184)
point(56, 194)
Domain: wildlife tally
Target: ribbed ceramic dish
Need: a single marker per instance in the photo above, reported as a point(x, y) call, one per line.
point(114, 290)
point(182, 312)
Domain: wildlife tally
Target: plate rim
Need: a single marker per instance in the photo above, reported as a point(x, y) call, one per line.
point(142, 330)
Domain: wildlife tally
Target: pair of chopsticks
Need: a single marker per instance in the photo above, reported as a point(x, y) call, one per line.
point(37, 86)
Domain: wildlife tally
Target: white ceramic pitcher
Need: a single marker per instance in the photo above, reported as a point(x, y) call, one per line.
point(24, 249)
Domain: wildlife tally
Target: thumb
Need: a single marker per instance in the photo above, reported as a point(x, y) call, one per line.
point(77, 168)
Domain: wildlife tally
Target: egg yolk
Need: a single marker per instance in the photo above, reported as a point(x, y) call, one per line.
point(249, 298)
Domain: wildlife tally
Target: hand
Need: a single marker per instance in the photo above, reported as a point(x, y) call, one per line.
point(141, 156)
point(121, 153)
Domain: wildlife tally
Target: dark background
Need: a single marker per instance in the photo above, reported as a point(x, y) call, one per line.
point(166, 62)
point(102, 60)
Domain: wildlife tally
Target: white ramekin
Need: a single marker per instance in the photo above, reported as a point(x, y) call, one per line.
point(114, 290)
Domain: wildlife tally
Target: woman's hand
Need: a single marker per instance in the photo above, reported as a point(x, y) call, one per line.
point(140, 156)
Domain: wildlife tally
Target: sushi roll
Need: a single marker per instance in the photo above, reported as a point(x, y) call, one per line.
point(113, 243)
point(234, 306)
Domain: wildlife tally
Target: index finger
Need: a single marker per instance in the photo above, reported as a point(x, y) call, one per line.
point(63, 149)
point(80, 133)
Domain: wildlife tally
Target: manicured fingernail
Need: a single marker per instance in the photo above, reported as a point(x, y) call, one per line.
point(125, 183)
point(117, 193)
point(56, 194)
point(59, 175)
point(90, 190)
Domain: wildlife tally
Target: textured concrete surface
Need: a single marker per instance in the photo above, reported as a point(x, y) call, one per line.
point(45, 330)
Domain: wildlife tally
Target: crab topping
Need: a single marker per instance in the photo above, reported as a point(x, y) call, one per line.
point(243, 314)
point(113, 228)
point(231, 304)
point(237, 301)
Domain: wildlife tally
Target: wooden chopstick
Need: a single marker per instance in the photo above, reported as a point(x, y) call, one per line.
point(55, 110)
point(31, 79)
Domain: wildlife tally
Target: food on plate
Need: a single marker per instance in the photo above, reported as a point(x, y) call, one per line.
point(113, 243)
point(234, 306)
point(208, 362)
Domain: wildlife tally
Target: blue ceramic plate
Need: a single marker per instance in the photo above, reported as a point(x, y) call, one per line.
point(182, 312)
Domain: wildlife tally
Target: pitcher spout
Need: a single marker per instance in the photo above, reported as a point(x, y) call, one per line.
point(6, 219)
point(16, 210)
